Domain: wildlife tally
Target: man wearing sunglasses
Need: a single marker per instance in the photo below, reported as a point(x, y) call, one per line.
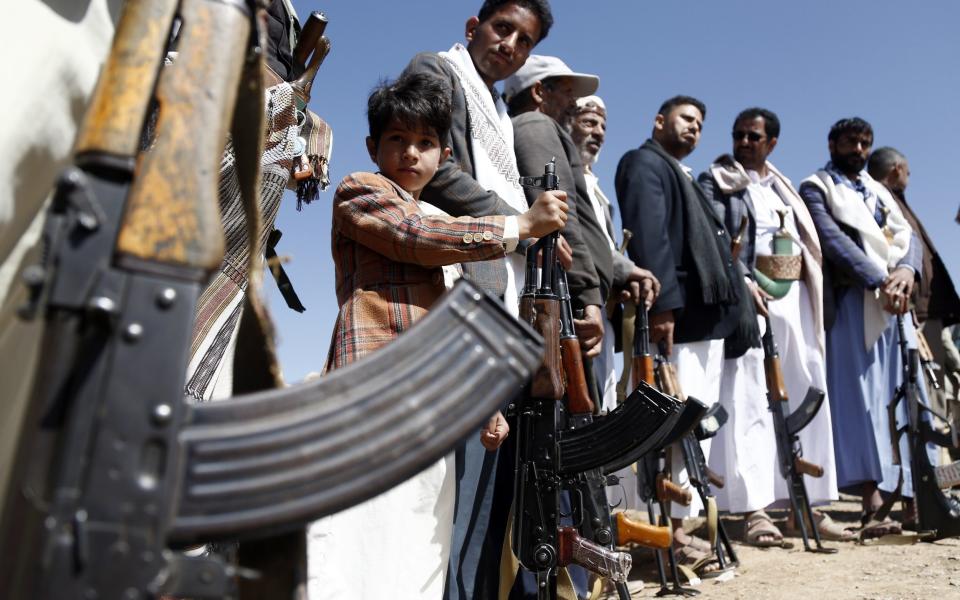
point(681, 239)
point(760, 205)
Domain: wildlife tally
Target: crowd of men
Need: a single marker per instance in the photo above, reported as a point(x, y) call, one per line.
point(856, 257)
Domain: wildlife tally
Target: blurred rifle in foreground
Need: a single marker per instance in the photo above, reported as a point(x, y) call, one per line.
point(113, 468)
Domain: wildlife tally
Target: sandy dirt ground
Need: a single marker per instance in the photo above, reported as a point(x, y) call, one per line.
point(921, 571)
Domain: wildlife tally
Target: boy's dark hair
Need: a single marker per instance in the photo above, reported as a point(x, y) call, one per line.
point(417, 100)
point(849, 125)
point(540, 9)
point(676, 101)
point(771, 124)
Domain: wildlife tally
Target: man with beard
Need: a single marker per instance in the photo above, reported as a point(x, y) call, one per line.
point(681, 239)
point(540, 98)
point(872, 260)
point(935, 301)
point(747, 189)
point(480, 178)
point(588, 129)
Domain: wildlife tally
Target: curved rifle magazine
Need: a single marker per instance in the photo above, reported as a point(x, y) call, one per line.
point(269, 461)
point(807, 410)
point(622, 436)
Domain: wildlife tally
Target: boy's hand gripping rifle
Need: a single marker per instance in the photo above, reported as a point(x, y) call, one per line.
point(789, 452)
point(113, 468)
point(937, 511)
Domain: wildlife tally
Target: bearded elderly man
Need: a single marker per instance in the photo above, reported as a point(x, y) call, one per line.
point(873, 259)
point(759, 204)
point(588, 129)
point(679, 236)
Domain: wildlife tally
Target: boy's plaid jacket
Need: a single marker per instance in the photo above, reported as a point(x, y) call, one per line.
point(388, 256)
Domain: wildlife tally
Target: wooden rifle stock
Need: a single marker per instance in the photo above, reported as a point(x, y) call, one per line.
point(120, 102)
point(644, 534)
point(807, 468)
point(715, 479)
point(548, 381)
point(774, 375)
point(578, 397)
point(642, 359)
point(172, 214)
point(668, 491)
point(579, 401)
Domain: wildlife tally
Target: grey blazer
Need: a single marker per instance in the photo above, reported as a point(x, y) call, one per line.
point(453, 189)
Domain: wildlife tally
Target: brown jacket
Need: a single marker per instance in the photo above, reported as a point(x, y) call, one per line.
point(388, 256)
point(934, 297)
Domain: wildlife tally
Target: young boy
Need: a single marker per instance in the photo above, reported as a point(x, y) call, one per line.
point(389, 253)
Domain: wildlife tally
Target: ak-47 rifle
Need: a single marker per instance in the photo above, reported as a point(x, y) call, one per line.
point(937, 512)
point(537, 533)
point(786, 429)
point(700, 475)
point(113, 467)
point(590, 509)
point(657, 489)
point(553, 452)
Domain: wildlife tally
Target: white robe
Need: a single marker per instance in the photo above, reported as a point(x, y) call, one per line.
point(699, 366)
point(745, 448)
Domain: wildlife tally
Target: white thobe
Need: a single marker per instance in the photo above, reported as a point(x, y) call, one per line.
point(745, 448)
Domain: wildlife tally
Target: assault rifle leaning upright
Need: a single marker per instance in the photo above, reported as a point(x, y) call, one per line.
point(552, 454)
point(113, 468)
point(789, 452)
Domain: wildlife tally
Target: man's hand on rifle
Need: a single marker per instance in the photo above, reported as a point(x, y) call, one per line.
point(494, 432)
point(642, 285)
point(661, 328)
point(760, 297)
point(897, 288)
point(590, 330)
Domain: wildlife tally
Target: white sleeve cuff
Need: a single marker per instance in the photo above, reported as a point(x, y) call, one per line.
point(511, 233)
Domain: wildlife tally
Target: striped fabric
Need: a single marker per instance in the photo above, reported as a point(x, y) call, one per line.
point(388, 256)
point(209, 371)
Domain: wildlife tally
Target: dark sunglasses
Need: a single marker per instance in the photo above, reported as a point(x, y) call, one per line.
point(753, 136)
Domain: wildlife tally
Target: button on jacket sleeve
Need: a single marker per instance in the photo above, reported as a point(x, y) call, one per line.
point(368, 210)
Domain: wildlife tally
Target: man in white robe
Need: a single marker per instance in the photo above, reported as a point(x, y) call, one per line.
point(754, 196)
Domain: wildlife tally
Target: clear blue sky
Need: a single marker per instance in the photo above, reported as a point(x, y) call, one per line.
point(893, 63)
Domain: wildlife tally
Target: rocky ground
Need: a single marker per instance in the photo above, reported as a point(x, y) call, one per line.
point(876, 572)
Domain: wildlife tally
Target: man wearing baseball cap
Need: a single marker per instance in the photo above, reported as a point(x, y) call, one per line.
point(541, 99)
